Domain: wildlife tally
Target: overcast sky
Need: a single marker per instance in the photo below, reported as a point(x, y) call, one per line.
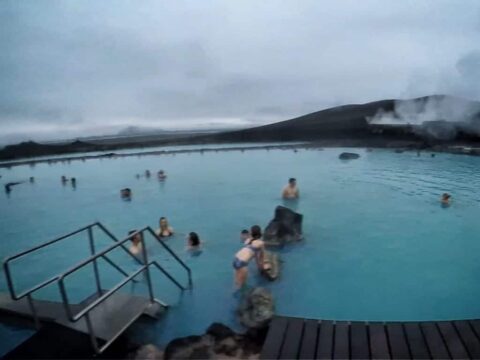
point(72, 68)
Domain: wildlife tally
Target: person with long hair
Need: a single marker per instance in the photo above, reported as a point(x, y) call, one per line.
point(165, 229)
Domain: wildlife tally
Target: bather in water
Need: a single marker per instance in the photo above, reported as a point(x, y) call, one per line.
point(161, 175)
point(194, 245)
point(445, 200)
point(244, 235)
point(126, 194)
point(291, 190)
point(165, 229)
point(137, 245)
point(254, 248)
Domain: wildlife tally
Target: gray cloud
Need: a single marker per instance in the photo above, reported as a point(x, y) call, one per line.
point(91, 66)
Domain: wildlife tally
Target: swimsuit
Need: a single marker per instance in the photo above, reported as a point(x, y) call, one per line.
point(238, 264)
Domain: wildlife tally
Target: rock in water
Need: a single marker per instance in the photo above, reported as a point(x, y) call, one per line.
point(348, 156)
point(219, 331)
point(285, 227)
point(257, 308)
point(148, 352)
point(271, 265)
point(190, 347)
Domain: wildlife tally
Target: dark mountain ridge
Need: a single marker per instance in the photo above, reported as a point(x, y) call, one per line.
point(448, 120)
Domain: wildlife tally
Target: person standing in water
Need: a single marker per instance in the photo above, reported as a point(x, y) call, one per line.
point(291, 190)
point(137, 243)
point(165, 230)
point(254, 248)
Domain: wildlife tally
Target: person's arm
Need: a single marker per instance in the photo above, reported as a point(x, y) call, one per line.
point(260, 256)
point(284, 193)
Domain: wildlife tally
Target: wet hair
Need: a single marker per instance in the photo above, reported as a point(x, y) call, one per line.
point(446, 196)
point(245, 232)
point(291, 180)
point(194, 239)
point(256, 232)
point(131, 232)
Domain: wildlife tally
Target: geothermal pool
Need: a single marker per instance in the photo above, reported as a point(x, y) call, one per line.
point(378, 245)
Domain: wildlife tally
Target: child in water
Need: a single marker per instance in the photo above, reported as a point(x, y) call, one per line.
point(137, 244)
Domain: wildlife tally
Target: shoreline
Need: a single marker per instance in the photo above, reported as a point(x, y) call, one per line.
point(409, 146)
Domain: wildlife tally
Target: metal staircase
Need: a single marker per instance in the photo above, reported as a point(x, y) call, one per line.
point(107, 313)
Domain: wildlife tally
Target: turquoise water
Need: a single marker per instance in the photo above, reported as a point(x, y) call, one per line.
point(378, 245)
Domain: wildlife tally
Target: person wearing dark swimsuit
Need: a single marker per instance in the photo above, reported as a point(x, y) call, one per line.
point(165, 230)
point(253, 249)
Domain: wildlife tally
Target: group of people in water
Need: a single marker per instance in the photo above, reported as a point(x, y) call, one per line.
point(253, 246)
point(73, 181)
point(126, 193)
point(161, 175)
point(163, 232)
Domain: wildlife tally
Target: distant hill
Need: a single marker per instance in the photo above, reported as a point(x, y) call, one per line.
point(421, 122)
point(358, 122)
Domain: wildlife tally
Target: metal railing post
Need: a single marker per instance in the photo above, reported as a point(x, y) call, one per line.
point(147, 269)
point(95, 264)
point(93, 339)
point(34, 311)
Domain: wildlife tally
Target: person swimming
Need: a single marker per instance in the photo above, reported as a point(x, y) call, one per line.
point(147, 173)
point(244, 235)
point(291, 190)
point(137, 243)
point(64, 179)
point(161, 175)
point(165, 229)
point(193, 241)
point(254, 248)
point(126, 194)
point(445, 200)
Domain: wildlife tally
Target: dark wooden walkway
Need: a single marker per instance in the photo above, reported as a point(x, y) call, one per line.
point(295, 338)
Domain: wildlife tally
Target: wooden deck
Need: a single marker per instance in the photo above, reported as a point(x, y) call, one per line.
point(295, 338)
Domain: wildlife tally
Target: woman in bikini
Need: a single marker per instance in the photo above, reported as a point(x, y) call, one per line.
point(254, 248)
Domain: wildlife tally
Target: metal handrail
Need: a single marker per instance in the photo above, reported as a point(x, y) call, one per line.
point(166, 247)
point(109, 293)
point(103, 253)
point(37, 287)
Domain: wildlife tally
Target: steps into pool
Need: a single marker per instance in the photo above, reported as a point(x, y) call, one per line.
point(104, 315)
point(297, 338)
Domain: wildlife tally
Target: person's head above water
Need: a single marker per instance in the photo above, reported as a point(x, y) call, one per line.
point(292, 182)
point(136, 239)
point(244, 235)
point(163, 222)
point(193, 239)
point(446, 197)
point(256, 232)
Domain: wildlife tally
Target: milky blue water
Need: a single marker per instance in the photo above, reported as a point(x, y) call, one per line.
point(378, 244)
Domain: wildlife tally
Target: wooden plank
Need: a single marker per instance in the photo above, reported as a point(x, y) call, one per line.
point(325, 340)
point(309, 340)
point(378, 341)
point(397, 341)
point(470, 340)
point(434, 341)
point(359, 341)
point(273, 342)
point(476, 327)
point(416, 342)
point(452, 340)
point(341, 344)
point(293, 337)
